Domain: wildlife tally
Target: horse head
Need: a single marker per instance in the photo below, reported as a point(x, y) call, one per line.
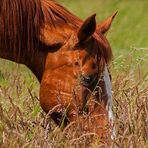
point(76, 78)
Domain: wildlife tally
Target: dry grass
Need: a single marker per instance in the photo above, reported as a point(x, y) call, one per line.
point(23, 124)
point(131, 111)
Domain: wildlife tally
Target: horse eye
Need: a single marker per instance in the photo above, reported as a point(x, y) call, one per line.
point(76, 63)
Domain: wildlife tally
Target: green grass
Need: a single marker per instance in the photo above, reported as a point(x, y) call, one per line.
point(22, 121)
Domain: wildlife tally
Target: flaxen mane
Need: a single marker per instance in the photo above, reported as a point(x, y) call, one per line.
point(21, 20)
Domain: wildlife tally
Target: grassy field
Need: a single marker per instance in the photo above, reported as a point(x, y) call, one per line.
point(22, 122)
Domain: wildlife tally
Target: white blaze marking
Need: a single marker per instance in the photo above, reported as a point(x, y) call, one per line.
point(109, 95)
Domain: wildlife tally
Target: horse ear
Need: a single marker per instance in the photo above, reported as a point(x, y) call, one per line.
point(87, 29)
point(104, 26)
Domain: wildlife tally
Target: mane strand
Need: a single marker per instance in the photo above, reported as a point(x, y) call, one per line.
point(20, 21)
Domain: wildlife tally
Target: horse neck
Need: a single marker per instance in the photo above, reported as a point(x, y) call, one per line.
point(35, 63)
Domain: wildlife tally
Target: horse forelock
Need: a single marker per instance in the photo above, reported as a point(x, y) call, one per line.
point(104, 52)
point(104, 48)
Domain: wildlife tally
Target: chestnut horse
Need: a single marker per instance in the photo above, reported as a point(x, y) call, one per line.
point(68, 56)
